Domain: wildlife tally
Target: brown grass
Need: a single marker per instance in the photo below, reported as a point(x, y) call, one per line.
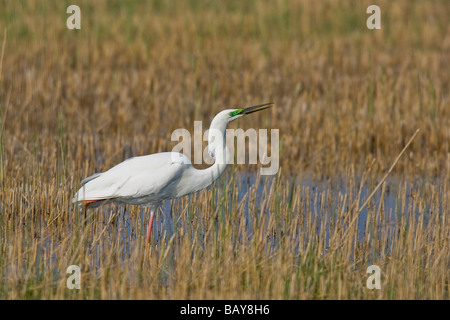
point(347, 99)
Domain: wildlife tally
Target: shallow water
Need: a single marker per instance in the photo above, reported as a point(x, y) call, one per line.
point(323, 199)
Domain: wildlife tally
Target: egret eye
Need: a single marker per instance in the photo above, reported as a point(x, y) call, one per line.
point(235, 112)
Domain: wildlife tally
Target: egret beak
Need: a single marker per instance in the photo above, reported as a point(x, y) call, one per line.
point(256, 108)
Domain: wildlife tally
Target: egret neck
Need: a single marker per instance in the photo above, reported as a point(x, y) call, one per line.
point(217, 150)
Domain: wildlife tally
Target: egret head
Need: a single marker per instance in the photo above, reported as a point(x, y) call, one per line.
point(237, 113)
point(223, 118)
point(216, 136)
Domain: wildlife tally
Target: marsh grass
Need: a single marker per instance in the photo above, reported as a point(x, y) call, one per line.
point(347, 100)
point(224, 244)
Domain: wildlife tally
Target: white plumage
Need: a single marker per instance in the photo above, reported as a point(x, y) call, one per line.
point(149, 180)
point(140, 180)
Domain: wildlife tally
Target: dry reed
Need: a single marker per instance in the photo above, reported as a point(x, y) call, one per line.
point(347, 99)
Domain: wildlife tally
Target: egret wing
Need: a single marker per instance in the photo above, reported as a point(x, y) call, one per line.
point(154, 177)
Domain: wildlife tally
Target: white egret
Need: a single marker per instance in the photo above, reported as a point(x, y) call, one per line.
point(149, 180)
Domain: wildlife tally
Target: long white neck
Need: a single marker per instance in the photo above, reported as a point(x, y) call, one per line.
point(207, 176)
point(218, 151)
point(200, 179)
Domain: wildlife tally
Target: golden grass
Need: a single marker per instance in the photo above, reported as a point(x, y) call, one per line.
point(347, 100)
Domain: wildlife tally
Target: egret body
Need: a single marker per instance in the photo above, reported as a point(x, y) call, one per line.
point(149, 180)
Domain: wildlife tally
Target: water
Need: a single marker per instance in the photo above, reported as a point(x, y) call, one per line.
point(322, 199)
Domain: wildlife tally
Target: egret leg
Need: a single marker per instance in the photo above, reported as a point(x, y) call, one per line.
point(150, 226)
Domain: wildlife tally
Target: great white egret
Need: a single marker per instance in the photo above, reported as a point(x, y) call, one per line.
point(149, 180)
